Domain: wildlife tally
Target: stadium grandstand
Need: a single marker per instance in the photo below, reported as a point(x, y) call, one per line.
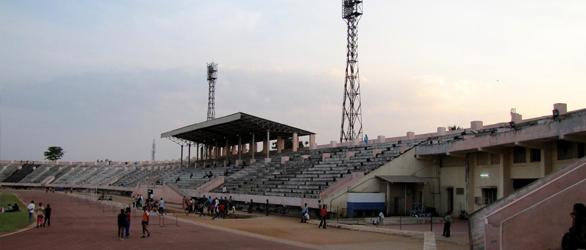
point(450, 171)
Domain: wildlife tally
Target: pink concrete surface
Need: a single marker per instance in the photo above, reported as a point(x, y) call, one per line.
point(80, 224)
point(539, 219)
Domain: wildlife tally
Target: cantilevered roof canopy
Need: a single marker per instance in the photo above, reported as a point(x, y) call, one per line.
point(401, 178)
point(229, 128)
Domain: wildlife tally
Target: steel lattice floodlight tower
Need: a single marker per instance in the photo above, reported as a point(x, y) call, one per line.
point(212, 76)
point(351, 128)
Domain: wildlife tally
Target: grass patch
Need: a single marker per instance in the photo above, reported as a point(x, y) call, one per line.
point(10, 222)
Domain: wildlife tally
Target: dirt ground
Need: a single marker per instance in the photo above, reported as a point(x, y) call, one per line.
point(264, 232)
point(331, 238)
point(78, 224)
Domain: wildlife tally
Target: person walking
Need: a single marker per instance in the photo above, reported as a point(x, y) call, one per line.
point(145, 223)
point(40, 210)
point(447, 224)
point(304, 213)
point(48, 215)
point(127, 224)
point(323, 215)
point(267, 208)
point(121, 224)
point(161, 206)
point(31, 211)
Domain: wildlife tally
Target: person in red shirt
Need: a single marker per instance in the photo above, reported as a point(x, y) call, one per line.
point(323, 215)
point(145, 223)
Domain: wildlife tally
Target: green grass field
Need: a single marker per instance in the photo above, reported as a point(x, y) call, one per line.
point(10, 222)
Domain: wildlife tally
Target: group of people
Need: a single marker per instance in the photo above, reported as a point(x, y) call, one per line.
point(323, 215)
point(150, 204)
point(10, 208)
point(43, 214)
point(124, 223)
point(216, 207)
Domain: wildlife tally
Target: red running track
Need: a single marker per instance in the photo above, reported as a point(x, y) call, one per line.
point(86, 225)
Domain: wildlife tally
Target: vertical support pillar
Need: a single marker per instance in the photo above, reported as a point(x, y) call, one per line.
point(252, 147)
point(279, 142)
point(181, 155)
point(312, 144)
point(505, 185)
point(266, 144)
point(188, 154)
point(295, 142)
point(226, 150)
point(547, 156)
point(239, 147)
point(196, 152)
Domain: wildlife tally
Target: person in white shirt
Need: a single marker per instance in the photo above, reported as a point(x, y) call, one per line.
point(381, 218)
point(161, 206)
point(31, 211)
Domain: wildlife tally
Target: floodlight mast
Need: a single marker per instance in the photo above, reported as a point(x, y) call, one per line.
point(351, 127)
point(212, 76)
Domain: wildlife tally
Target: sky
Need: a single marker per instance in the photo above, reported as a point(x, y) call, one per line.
point(102, 79)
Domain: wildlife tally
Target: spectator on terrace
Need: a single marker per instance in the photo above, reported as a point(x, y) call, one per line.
point(178, 179)
point(31, 211)
point(47, 216)
point(40, 210)
point(190, 176)
point(575, 238)
point(323, 216)
point(121, 224)
point(224, 189)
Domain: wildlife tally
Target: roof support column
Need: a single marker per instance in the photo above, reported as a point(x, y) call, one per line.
point(216, 151)
point(295, 142)
point(181, 155)
point(312, 144)
point(189, 155)
point(239, 148)
point(280, 144)
point(252, 147)
point(266, 145)
point(226, 150)
point(196, 152)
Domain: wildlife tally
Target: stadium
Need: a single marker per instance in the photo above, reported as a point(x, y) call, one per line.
point(505, 185)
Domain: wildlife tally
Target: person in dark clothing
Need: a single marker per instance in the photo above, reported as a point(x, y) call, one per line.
point(127, 224)
point(267, 207)
point(250, 206)
point(447, 225)
point(48, 215)
point(575, 238)
point(323, 216)
point(121, 224)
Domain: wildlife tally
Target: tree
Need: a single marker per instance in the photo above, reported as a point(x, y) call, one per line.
point(54, 153)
